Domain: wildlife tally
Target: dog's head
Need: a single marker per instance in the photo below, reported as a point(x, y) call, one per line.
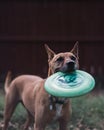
point(65, 62)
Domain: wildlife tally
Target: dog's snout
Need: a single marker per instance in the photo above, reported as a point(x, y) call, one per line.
point(70, 63)
point(70, 66)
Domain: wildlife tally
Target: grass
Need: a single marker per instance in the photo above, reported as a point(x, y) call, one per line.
point(87, 113)
point(1, 104)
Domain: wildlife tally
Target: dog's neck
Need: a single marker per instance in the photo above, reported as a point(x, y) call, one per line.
point(56, 100)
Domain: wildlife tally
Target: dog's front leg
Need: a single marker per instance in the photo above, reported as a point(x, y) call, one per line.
point(38, 128)
point(63, 124)
point(64, 120)
point(39, 125)
point(40, 117)
point(28, 121)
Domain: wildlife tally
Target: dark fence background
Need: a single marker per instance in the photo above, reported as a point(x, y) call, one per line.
point(26, 26)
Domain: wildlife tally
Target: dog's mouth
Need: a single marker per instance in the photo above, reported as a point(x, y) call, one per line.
point(67, 68)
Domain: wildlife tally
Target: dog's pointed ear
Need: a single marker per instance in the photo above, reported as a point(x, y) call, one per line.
point(75, 50)
point(50, 53)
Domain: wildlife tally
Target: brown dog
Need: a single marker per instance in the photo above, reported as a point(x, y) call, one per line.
point(29, 90)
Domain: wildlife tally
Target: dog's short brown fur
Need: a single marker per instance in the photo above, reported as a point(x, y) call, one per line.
point(29, 90)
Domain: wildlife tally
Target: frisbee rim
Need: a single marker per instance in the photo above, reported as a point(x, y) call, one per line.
point(83, 89)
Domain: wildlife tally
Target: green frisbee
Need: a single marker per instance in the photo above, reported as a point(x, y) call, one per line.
point(72, 84)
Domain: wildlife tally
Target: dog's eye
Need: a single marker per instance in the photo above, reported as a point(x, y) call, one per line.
point(73, 58)
point(60, 59)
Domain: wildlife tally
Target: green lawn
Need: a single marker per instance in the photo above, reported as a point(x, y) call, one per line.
point(87, 114)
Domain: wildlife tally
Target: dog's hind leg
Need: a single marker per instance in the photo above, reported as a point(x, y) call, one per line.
point(9, 109)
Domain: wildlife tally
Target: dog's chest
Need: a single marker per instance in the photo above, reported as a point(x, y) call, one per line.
point(58, 113)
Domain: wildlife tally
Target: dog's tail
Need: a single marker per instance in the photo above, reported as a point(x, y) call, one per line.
point(7, 81)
